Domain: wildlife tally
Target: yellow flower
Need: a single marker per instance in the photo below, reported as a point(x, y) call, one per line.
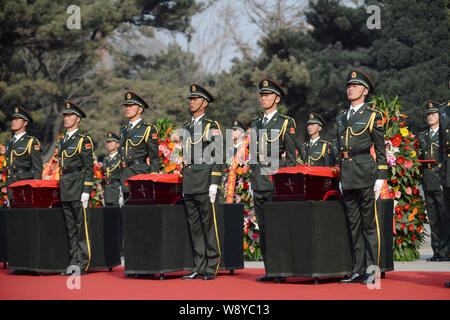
point(411, 217)
point(396, 188)
point(404, 132)
point(413, 154)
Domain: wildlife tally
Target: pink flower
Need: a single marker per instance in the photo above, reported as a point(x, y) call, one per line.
point(408, 164)
point(398, 194)
point(408, 191)
point(4, 189)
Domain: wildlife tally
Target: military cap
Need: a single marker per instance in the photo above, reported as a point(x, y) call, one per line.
point(110, 136)
point(239, 125)
point(316, 118)
point(432, 106)
point(133, 98)
point(270, 86)
point(360, 77)
point(20, 112)
point(198, 91)
point(72, 108)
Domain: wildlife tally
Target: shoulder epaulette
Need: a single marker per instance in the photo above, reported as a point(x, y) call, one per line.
point(342, 111)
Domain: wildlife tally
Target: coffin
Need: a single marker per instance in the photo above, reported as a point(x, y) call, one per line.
point(35, 194)
point(303, 182)
point(146, 189)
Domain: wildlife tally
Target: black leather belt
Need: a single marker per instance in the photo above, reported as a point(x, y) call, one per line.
point(70, 170)
point(349, 154)
point(19, 170)
point(130, 163)
point(109, 181)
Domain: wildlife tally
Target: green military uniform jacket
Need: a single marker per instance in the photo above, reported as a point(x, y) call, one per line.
point(199, 174)
point(429, 150)
point(280, 129)
point(23, 160)
point(112, 172)
point(444, 136)
point(76, 165)
point(135, 146)
point(317, 155)
point(355, 137)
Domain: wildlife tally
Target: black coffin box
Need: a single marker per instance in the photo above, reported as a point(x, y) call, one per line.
point(306, 183)
point(35, 194)
point(147, 189)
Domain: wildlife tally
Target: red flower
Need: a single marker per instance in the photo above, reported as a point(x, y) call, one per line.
point(419, 229)
point(402, 173)
point(407, 148)
point(415, 190)
point(406, 207)
point(411, 227)
point(394, 119)
point(254, 236)
point(400, 160)
point(245, 185)
point(395, 180)
point(406, 141)
point(403, 124)
point(166, 161)
point(398, 209)
point(399, 241)
point(399, 216)
point(414, 238)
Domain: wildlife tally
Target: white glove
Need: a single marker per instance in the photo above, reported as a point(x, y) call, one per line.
point(7, 203)
point(213, 192)
point(377, 188)
point(250, 188)
point(121, 203)
point(85, 199)
point(340, 187)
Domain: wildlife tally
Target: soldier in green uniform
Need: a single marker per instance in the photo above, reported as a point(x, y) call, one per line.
point(22, 151)
point(361, 177)
point(429, 149)
point(138, 141)
point(112, 171)
point(201, 177)
point(317, 152)
point(444, 136)
point(76, 164)
point(271, 128)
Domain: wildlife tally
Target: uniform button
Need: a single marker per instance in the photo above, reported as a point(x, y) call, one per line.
point(350, 148)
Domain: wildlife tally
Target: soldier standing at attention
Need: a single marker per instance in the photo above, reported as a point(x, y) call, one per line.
point(138, 141)
point(201, 178)
point(317, 152)
point(112, 170)
point(361, 177)
point(76, 163)
point(281, 129)
point(22, 151)
point(429, 149)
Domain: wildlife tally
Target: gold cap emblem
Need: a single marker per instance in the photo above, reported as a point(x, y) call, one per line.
point(265, 83)
point(235, 123)
point(67, 105)
point(311, 116)
point(430, 105)
point(353, 74)
point(128, 95)
point(109, 135)
point(194, 88)
point(16, 110)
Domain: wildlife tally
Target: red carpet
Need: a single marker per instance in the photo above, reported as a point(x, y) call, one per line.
point(240, 286)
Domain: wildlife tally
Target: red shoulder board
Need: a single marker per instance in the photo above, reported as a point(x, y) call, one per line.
point(380, 123)
point(292, 130)
point(154, 136)
point(88, 146)
point(215, 132)
point(36, 147)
